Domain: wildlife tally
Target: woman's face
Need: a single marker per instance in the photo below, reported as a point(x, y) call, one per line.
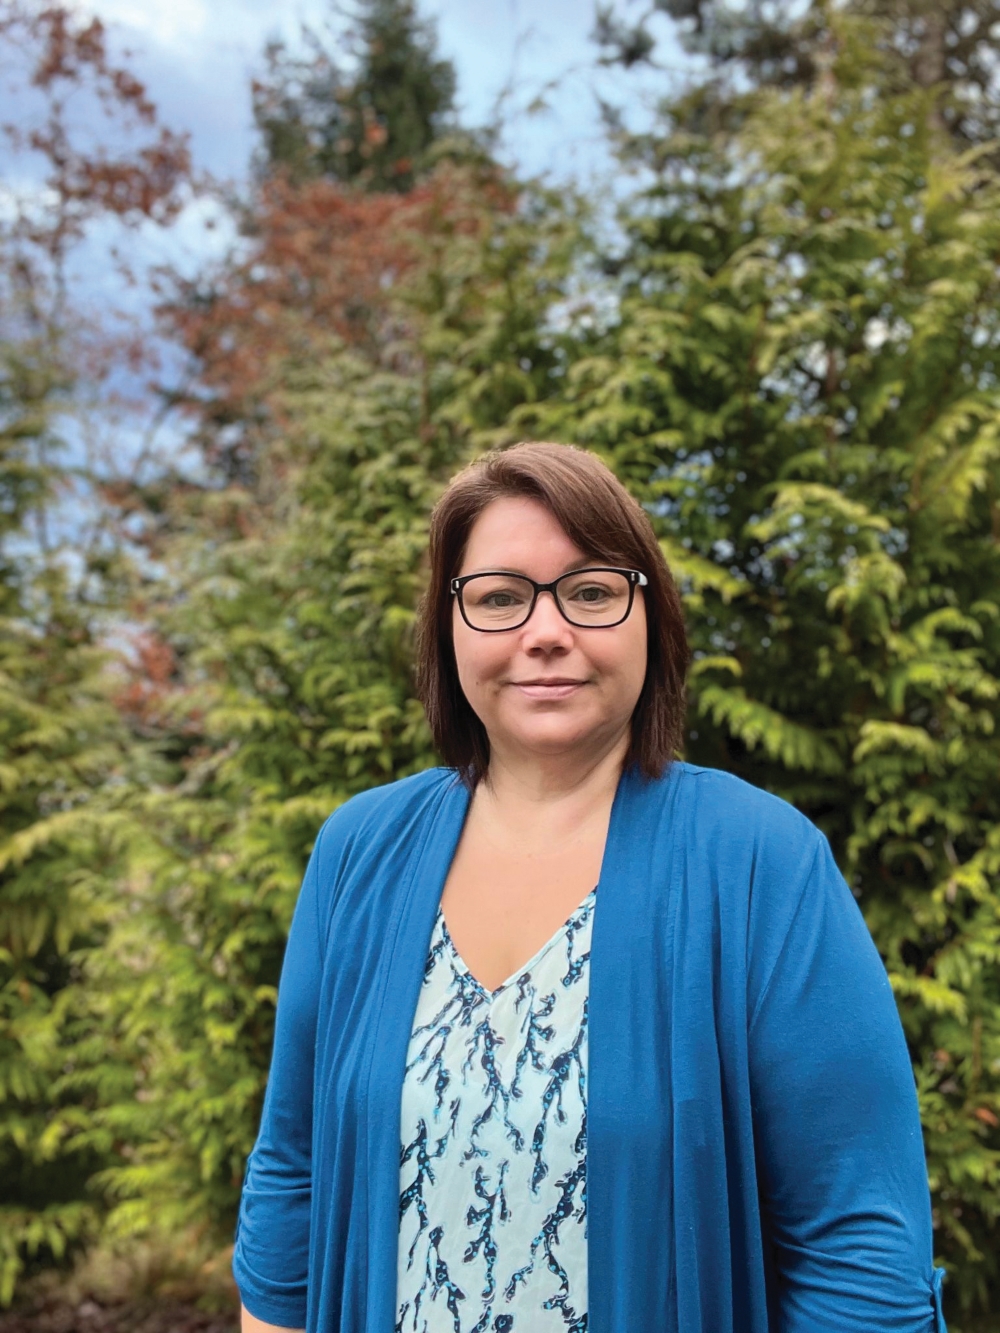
point(548, 688)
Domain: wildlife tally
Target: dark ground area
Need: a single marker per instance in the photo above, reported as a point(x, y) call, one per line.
point(53, 1316)
point(164, 1285)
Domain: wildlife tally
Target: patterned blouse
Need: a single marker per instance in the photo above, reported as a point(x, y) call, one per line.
point(493, 1190)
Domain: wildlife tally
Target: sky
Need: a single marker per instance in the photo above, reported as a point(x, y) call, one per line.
point(197, 58)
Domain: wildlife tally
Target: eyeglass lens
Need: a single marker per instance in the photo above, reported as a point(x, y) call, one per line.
point(503, 601)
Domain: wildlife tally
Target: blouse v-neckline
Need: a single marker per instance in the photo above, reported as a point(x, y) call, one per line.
point(463, 967)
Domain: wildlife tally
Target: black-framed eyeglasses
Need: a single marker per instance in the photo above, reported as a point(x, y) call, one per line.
point(598, 597)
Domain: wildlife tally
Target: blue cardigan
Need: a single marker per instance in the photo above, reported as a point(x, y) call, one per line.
point(755, 1162)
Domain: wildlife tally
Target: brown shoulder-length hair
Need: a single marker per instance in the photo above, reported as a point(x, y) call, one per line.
point(602, 519)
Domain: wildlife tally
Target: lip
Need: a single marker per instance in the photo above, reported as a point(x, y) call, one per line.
point(557, 688)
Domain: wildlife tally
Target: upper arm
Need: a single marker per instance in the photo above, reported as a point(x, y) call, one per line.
point(271, 1258)
point(841, 1168)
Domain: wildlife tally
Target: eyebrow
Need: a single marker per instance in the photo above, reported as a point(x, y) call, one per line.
point(520, 573)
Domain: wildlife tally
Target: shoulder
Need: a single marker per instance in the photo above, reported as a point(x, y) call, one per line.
point(393, 797)
point(766, 860)
point(723, 808)
point(714, 807)
point(732, 838)
point(385, 805)
point(383, 813)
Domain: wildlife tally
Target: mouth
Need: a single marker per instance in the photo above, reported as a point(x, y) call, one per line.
point(555, 687)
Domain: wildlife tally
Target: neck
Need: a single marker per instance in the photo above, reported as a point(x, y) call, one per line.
point(529, 794)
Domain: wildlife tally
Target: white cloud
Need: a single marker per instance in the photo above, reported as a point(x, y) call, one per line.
point(172, 24)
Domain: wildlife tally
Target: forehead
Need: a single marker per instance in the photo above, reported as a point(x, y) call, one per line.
point(514, 530)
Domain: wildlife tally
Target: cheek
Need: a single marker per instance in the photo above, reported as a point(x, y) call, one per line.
point(624, 650)
point(639, 676)
point(631, 661)
point(638, 646)
point(477, 656)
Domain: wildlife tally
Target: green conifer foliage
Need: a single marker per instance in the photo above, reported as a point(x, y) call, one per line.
point(63, 749)
point(370, 121)
point(60, 743)
point(803, 385)
point(947, 45)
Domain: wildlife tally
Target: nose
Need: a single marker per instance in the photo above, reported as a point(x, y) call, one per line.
point(546, 628)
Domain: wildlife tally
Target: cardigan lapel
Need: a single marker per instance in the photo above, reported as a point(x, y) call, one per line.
point(630, 1132)
point(404, 958)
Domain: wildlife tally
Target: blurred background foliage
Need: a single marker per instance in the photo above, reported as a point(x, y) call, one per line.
point(786, 343)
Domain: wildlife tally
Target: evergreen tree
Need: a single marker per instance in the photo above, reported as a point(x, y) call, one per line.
point(370, 120)
point(63, 749)
point(60, 742)
point(803, 386)
point(948, 45)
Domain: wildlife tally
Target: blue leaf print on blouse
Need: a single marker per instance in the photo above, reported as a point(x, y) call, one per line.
point(535, 1031)
point(559, 1072)
point(485, 1043)
point(414, 1192)
point(548, 1238)
point(464, 998)
point(440, 1279)
point(575, 966)
point(494, 1209)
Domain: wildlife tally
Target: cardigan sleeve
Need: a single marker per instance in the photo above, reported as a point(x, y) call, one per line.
point(841, 1169)
point(271, 1256)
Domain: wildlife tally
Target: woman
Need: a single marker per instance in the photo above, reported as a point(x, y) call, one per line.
point(571, 1036)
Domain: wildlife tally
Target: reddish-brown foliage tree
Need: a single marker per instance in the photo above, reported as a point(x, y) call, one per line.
point(65, 59)
point(325, 263)
point(90, 149)
point(149, 683)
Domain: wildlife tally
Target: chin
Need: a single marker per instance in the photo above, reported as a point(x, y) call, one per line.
point(553, 740)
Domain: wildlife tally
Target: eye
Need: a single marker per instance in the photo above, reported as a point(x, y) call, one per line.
point(590, 593)
point(497, 595)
